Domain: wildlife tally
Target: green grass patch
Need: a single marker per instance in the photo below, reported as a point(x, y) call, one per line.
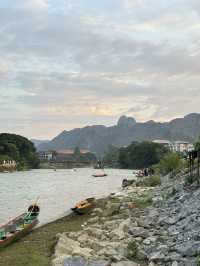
point(36, 249)
point(151, 181)
point(132, 251)
point(143, 202)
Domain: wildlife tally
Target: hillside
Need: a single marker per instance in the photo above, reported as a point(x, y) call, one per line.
point(97, 138)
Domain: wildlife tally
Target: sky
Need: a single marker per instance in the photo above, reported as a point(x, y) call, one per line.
point(72, 63)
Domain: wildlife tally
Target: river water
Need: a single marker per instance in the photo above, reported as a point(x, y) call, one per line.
point(57, 190)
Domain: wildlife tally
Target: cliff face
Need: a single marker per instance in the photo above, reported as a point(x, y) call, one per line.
point(97, 138)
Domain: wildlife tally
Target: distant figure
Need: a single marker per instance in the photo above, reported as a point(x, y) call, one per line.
point(145, 172)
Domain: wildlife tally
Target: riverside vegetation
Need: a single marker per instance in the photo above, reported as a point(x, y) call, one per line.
point(19, 149)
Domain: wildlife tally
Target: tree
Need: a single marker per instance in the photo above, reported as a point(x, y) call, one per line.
point(19, 149)
point(141, 155)
point(111, 157)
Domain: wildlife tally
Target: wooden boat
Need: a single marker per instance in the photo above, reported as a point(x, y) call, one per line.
point(84, 206)
point(99, 175)
point(20, 226)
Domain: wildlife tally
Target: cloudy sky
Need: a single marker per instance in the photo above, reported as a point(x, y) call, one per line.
point(71, 63)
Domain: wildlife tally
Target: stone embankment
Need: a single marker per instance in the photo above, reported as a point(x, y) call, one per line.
point(138, 226)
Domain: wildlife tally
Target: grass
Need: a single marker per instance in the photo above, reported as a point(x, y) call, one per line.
point(144, 201)
point(36, 249)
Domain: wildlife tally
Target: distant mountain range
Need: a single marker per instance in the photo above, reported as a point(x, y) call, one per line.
point(97, 138)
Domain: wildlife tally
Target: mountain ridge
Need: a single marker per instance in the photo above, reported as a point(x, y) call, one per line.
point(97, 138)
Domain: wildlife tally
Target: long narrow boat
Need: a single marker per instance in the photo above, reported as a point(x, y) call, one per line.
point(84, 206)
point(20, 226)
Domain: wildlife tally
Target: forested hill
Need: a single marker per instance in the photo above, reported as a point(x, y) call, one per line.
point(97, 138)
point(18, 148)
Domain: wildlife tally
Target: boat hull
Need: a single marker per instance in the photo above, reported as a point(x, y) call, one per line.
point(99, 175)
point(18, 234)
point(84, 207)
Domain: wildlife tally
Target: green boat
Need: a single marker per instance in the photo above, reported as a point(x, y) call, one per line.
point(19, 226)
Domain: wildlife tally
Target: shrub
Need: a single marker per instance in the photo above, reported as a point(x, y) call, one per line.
point(144, 201)
point(132, 250)
point(151, 181)
point(191, 179)
point(170, 163)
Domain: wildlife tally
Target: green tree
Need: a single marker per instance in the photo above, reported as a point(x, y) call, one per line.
point(141, 155)
point(19, 149)
point(111, 157)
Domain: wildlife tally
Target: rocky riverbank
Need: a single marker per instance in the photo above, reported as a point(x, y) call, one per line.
point(138, 226)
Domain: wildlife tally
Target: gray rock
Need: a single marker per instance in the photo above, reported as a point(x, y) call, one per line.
point(79, 261)
point(112, 209)
point(93, 220)
point(75, 261)
point(156, 256)
point(138, 232)
point(98, 263)
point(189, 249)
point(125, 263)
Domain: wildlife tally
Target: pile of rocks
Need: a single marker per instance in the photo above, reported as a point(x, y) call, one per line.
point(121, 233)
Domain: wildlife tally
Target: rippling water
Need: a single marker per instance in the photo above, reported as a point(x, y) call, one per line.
point(58, 190)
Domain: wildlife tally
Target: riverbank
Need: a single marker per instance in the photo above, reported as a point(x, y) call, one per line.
point(136, 226)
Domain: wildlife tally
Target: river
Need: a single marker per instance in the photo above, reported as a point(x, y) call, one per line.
point(57, 190)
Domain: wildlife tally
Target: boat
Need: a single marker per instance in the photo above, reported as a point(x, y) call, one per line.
point(100, 174)
point(19, 226)
point(84, 206)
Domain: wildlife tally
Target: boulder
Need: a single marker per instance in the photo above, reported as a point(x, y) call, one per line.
point(138, 232)
point(125, 263)
point(112, 209)
point(67, 246)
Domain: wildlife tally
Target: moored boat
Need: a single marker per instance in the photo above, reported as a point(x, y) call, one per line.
point(84, 206)
point(19, 226)
point(100, 174)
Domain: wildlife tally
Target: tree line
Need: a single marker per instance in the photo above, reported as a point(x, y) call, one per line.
point(20, 149)
point(140, 155)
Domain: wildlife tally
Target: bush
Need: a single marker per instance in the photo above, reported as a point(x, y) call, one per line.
point(144, 201)
point(191, 179)
point(132, 250)
point(151, 181)
point(170, 163)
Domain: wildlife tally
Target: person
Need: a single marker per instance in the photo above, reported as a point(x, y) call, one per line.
point(145, 172)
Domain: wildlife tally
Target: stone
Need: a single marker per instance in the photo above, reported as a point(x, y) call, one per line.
point(149, 240)
point(138, 232)
point(93, 220)
point(59, 261)
point(112, 209)
point(125, 263)
point(156, 256)
point(83, 238)
point(98, 211)
point(119, 232)
point(151, 264)
point(189, 248)
point(98, 263)
point(95, 232)
point(67, 246)
point(75, 261)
